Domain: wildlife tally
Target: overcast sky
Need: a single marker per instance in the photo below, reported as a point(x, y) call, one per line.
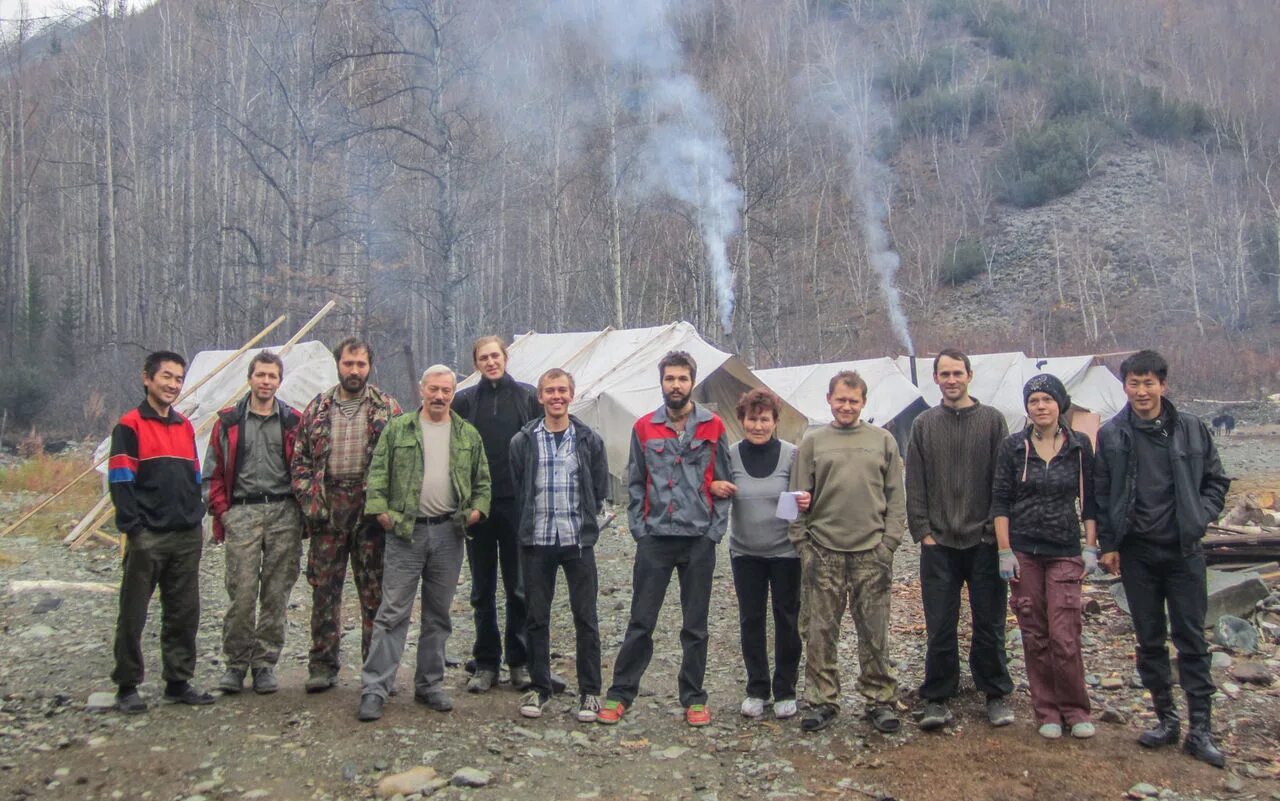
point(10, 9)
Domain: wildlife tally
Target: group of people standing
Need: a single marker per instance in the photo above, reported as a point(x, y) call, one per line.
point(503, 474)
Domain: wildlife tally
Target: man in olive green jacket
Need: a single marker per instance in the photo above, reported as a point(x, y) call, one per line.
point(428, 482)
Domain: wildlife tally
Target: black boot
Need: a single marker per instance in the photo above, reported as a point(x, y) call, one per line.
point(1199, 742)
point(1168, 727)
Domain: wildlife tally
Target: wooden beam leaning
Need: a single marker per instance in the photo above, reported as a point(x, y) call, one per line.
point(246, 346)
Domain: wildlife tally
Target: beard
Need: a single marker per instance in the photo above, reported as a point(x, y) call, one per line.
point(675, 402)
point(354, 383)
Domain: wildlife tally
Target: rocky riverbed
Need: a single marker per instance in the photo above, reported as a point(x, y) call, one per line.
point(55, 653)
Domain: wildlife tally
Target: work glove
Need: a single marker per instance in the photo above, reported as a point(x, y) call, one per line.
point(1090, 559)
point(1008, 565)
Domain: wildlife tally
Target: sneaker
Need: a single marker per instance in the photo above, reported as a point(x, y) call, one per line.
point(520, 678)
point(438, 700)
point(818, 717)
point(785, 709)
point(752, 707)
point(1083, 730)
point(698, 715)
point(884, 719)
point(936, 715)
point(320, 680)
point(1050, 731)
point(532, 703)
point(129, 702)
point(999, 712)
point(588, 708)
point(482, 681)
point(264, 681)
point(370, 707)
point(186, 694)
point(232, 681)
point(611, 712)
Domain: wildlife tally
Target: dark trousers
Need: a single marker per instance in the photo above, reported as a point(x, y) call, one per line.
point(754, 578)
point(540, 564)
point(171, 561)
point(943, 574)
point(493, 545)
point(1153, 580)
point(694, 561)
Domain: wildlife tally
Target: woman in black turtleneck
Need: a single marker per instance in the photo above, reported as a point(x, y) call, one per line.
point(763, 559)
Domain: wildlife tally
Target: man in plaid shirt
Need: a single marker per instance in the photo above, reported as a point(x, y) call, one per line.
point(561, 477)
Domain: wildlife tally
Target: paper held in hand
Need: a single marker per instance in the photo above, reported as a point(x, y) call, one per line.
point(788, 509)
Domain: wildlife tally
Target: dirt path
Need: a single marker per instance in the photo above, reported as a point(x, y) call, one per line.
point(55, 651)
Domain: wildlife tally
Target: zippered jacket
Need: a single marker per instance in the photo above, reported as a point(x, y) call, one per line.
point(593, 479)
point(153, 472)
point(1040, 499)
point(1199, 484)
point(498, 410)
point(394, 486)
point(225, 447)
point(669, 483)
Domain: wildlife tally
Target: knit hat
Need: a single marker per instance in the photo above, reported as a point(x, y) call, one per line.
point(1050, 385)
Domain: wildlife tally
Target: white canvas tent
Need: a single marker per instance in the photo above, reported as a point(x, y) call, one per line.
point(892, 400)
point(308, 371)
point(616, 374)
point(998, 379)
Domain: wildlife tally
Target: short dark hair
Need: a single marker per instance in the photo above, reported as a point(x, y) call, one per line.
point(489, 339)
point(266, 357)
point(850, 379)
point(1144, 362)
point(153, 361)
point(678, 358)
point(757, 400)
point(556, 372)
point(952, 353)
point(353, 343)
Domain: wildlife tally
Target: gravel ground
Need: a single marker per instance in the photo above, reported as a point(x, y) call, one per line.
point(55, 651)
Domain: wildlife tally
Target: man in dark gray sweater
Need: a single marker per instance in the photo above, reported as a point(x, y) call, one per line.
point(951, 462)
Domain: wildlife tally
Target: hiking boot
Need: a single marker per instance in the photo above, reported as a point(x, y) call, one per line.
point(588, 708)
point(520, 678)
point(697, 715)
point(438, 700)
point(129, 702)
point(752, 707)
point(532, 703)
point(482, 681)
point(320, 680)
point(785, 709)
point(184, 693)
point(1168, 726)
point(936, 715)
point(999, 711)
point(264, 681)
point(1199, 743)
point(370, 707)
point(884, 719)
point(818, 717)
point(232, 681)
point(611, 712)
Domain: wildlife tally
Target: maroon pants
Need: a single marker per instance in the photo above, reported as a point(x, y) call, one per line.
point(1046, 600)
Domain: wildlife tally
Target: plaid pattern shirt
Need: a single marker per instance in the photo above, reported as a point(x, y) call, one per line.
point(558, 513)
point(350, 432)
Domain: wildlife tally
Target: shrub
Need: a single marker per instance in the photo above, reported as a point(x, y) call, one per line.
point(24, 390)
point(946, 112)
point(967, 259)
point(1152, 114)
point(1073, 94)
point(1053, 161)
point(911, 77)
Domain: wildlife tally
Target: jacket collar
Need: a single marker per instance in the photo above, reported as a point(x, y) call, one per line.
point(700, 414)
point(1169, 414)
point(148, 413)
point(502, 384)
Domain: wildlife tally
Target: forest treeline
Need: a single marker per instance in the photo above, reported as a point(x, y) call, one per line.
point(180, 175)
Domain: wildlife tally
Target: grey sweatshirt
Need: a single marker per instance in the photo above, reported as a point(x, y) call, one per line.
point(754, 527)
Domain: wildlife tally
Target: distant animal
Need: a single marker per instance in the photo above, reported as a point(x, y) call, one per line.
point(1224, 424)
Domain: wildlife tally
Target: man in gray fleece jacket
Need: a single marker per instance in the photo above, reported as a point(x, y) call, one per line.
point(951, 462)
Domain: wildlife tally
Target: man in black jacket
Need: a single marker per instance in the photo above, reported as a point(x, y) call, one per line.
point(1159, 484)
point(561, 476)
point(498, 406)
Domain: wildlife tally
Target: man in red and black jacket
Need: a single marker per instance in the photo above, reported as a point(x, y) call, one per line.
point(257, 516)
point(154, 476)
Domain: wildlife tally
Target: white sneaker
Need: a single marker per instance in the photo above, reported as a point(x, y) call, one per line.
point(785, 709)
point(1082, 730)
point(532, 703)
point(752, 707)
point(588, 708)
point(1051, 731)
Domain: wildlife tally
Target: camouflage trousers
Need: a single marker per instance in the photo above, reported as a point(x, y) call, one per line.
point(830, 581)
point(264, 546)
point(346, 535)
